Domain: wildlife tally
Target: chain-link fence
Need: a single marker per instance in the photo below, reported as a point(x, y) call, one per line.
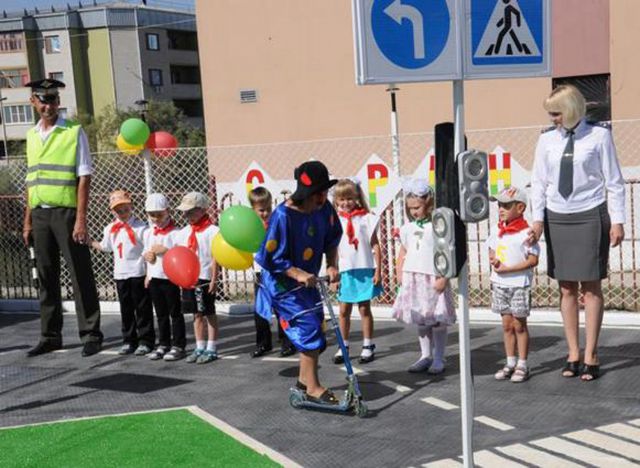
point(189, 170)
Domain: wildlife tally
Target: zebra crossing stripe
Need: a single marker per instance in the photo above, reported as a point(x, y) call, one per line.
point(535, 457)
point(494, 423)
point(491, 460)
point(449, 463)
point(622, 430)
point(582, 453)
point(606, 442)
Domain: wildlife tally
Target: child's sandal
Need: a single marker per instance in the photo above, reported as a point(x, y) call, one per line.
point(571, 369)
point(327, 398)
point(505, 373)
point(590, 372)
point(365, 359)
point(520, 374)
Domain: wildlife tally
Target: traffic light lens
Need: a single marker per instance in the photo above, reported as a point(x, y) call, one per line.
point(441, 264)
point(439, 226)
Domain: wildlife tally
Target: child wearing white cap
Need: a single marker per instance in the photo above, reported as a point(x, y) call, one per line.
point(124, 237)
point(200, 301)
point(424, 299)
point(512, 261)
point(165, 295)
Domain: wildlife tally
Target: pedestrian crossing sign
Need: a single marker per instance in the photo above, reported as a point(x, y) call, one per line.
point(507, 38)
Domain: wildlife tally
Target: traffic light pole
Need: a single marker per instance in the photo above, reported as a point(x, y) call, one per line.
point(466, 384)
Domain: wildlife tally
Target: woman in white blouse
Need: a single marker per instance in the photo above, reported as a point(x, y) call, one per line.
point(577, 199)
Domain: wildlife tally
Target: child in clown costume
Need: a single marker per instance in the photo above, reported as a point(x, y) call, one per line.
point(301, 230)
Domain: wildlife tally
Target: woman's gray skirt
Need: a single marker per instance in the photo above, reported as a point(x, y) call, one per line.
point(578, 244)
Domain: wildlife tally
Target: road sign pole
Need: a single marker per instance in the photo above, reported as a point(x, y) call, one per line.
point(148, 172)
point(395, 151)
point(466, 384)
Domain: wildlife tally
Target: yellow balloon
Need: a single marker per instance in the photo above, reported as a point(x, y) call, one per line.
point(126, 148)
point(230, 257)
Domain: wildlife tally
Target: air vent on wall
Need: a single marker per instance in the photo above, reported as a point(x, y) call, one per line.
point(248, 95)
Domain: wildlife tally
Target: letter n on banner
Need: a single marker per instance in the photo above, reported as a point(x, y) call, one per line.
point(499, 170)
point(253, 175)
point(378, 176)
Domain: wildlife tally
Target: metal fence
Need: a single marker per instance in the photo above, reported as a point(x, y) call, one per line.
point(190, 168)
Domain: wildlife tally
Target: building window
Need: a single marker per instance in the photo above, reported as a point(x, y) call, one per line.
point(596, 89)
point(11, 42)
point(190, 107)
point(62, 112)
point(153, 41)
point(155, 77)
point(20, 114)
point(15, 78)
point(56, 76)
point(185, 74)
point(52, 44)
point(182, 40)
point(248, 96)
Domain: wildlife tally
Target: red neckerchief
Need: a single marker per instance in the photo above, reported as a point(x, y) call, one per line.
point(121, 224)
point(163, 231)
point(351, 232)
point(200, 226)
point(516, 225)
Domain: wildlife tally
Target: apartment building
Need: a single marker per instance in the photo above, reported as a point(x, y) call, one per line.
point(110, 54)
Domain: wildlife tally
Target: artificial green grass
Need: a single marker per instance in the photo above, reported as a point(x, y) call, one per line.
point(175, 438)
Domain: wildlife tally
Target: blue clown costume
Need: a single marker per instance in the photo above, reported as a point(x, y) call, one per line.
point(296, 239)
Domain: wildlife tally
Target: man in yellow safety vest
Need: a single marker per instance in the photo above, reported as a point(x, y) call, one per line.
point(59, 171)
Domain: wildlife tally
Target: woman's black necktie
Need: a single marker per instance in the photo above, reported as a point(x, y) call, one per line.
point(565, 184)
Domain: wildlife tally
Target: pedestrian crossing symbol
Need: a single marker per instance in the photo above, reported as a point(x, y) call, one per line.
point(506, 32)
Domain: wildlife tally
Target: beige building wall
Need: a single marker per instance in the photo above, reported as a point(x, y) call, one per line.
point(625, 59)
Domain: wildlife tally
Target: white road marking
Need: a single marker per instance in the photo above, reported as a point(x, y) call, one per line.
point(535, 456)
point(356, 370)
point(581, 453)
point(401, 388)
point(280, 359)
point(608, 443)
point(622, 430)
point(449, 463)
point(486, 420)
point(492, 460)
point(228, 356)
point(109, 352)
point(439, 403)
point(61, 351)
point(635, 422)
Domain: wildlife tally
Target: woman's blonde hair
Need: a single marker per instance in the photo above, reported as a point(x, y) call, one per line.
point(348, 188)
point(570, 102)
point(428, 198)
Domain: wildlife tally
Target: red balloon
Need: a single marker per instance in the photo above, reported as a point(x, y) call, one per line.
point(163, 144)
point(182, 267)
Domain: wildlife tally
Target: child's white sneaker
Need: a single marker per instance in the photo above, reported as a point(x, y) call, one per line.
point(175, 354)
point(437, 367)
point(420, 365)
point(157, 353)
point(505, 373)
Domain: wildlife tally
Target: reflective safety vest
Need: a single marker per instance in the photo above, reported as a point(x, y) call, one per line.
point(51, 166)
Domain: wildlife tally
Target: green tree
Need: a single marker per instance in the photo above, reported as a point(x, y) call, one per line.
point(102, 130)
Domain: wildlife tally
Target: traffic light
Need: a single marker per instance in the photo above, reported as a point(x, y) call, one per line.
point(444, 245)
point(450, 234)
point(473, 174)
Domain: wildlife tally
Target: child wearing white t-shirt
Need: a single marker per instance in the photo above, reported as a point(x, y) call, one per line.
point(424, 299)
point(512, 260)
point(124, 237)
point(165, 295)
point(200, 301)
point(359, 261)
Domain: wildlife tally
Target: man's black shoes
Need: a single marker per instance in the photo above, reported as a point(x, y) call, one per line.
point(91, 347)
point(43, 347)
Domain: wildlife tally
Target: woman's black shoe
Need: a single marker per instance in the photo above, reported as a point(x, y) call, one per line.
point(260, 351)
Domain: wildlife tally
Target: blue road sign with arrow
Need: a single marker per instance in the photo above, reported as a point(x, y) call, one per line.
point(406, 40)
point(410, 33)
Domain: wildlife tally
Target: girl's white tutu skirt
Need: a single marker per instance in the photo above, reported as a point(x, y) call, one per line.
point(418, 303)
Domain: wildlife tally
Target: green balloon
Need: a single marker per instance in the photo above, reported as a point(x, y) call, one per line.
point(242, 228)
point(134, 131)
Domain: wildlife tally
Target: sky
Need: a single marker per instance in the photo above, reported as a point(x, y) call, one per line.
point(18, 5)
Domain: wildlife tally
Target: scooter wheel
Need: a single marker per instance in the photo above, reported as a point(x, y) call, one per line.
point(361, 409)
point(295, 400)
